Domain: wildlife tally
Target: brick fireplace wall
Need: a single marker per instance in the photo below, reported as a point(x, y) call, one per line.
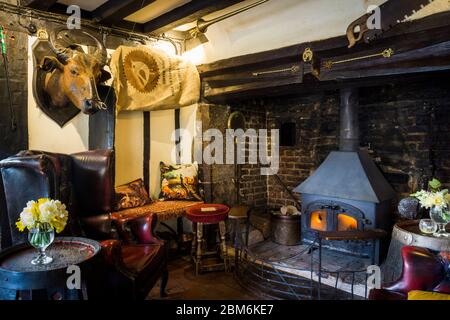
point(13, 141)
point(316, 119)
point(405, 127)
point(17, 53)
point(408, 128)
point(222, 189)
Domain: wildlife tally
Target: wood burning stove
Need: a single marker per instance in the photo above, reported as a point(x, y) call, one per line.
point(347, 191)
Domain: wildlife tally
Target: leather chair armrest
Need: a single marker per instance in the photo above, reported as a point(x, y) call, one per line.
point(99, 227)
point(111, 252)
point(112, 257)
point(383, 294)
point(141, 229)
point(422, 270)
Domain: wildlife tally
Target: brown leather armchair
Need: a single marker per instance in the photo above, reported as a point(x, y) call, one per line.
point(135, 259)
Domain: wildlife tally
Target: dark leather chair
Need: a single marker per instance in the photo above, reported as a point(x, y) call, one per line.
point(135, 259)
point(31, 175)
point(422, 270)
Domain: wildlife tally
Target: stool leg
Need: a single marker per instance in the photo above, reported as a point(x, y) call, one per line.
point(237, 234)
point(199, 247)
point(223, 243)
point(194, 239)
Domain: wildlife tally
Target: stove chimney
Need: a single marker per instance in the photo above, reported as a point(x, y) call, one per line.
point(349, 124)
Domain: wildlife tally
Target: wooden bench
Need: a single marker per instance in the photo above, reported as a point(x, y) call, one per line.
point(164, 210)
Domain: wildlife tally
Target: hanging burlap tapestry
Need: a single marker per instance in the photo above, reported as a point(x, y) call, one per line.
point(148, 79)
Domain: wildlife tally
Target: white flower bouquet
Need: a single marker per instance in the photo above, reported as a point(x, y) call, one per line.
point(42, 218)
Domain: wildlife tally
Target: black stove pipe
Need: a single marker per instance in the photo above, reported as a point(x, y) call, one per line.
point(349, 124)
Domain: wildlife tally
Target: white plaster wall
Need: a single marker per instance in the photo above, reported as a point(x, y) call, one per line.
point(280, 23)
point(129, 146)
point(44, 133)
point(187, 122)
point(162, 125)
point(162, 145)
point(276, 24)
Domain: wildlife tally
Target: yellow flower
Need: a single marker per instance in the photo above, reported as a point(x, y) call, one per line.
point(44, 210)
point(438, 201)
point(447, 198)
point(20, 226)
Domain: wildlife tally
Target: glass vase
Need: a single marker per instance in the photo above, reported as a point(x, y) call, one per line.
point(40, 238)
point(441, 216)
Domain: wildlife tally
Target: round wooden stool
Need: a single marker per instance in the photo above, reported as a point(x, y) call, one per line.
point(207, 214)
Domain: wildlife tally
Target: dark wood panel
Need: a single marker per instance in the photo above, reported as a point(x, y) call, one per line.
point(102, 124)
point(39, 4)
point(60, 8)
point(177, 135)
point(127, 25)
point(189, 12)
point(146, 164)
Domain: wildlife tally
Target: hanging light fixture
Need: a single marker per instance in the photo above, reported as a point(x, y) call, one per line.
point(197, 33)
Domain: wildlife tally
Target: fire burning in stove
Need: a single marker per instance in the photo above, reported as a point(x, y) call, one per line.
point(319, 220)
point(346, 223)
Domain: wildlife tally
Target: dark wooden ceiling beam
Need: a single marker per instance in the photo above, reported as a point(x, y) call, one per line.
point(114, 11)
point(39, 4)
point(126, 25)
point(421, 48)
point(189, 12)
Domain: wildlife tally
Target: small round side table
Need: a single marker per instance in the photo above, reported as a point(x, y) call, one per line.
point(206, 214)
point(28, 281)
point(407, 233)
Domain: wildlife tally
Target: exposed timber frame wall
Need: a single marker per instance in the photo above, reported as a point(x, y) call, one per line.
point(407, 51)
point(404, 96)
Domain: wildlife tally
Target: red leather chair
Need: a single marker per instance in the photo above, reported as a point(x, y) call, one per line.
point(136, 263)
point(135, 259)
point(422, 270)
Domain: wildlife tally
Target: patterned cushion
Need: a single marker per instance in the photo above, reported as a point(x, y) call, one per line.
point(179, 182)
point(131, 195)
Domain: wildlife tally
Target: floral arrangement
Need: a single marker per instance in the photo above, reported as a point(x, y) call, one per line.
point(434, 197)
point(41, 212)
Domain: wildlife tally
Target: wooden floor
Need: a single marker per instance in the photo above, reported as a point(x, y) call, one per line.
point(185, 285)
point(296, 260)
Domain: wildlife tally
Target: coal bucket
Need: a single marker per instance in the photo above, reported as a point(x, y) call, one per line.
point(286, 229)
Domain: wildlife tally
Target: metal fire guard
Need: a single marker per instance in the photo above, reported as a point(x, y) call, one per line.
point(263, 277)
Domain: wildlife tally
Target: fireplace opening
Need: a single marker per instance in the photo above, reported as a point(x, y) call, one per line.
point(335, 217)
point(319, 220)
point(288, 133)
point(346, 223)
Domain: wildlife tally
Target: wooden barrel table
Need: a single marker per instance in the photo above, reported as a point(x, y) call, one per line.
point(407, 233)
point(23, 280)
